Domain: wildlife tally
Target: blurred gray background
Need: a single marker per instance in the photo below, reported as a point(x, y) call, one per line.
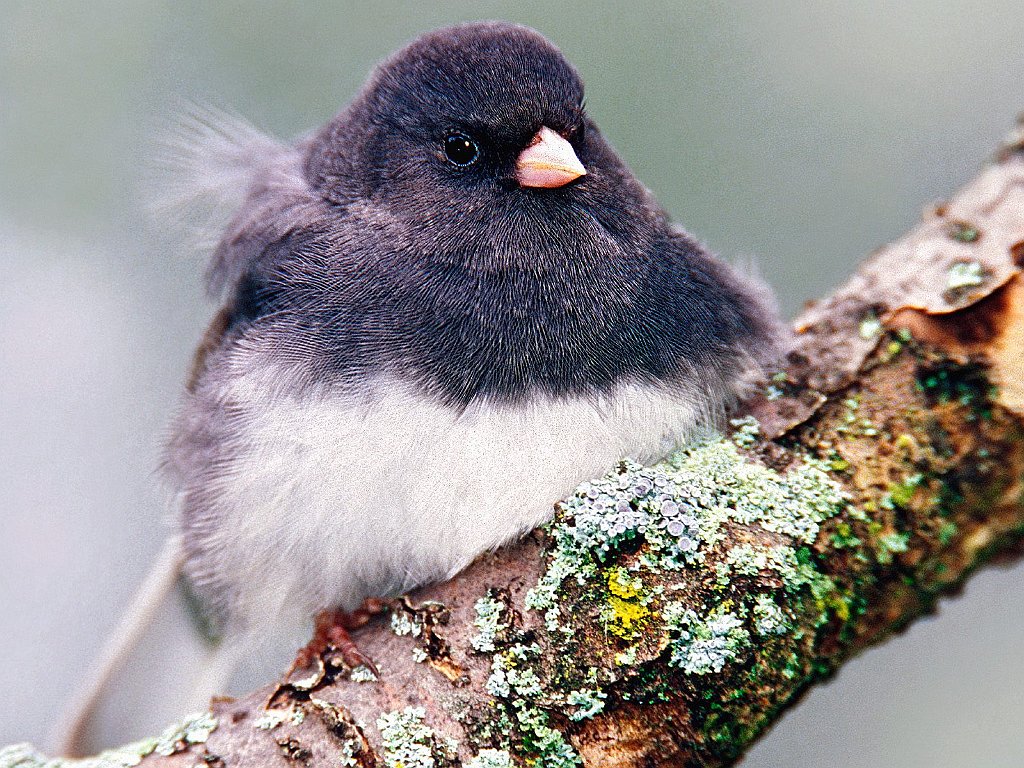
point(802, 133)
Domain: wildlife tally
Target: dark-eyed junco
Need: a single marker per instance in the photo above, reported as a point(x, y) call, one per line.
point(441, 312)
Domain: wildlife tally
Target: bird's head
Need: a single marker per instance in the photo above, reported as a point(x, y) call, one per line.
point(474, 129)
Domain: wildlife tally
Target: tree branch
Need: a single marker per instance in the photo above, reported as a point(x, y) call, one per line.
point(671, 613)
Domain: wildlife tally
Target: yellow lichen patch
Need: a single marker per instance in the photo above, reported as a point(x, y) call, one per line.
point(626, 610)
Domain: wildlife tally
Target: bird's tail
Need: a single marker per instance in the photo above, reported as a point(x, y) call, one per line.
point(156, 667)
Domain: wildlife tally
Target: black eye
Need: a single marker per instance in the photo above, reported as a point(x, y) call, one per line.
point(461, 150)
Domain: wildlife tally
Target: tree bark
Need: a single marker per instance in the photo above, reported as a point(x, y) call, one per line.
point(670, 614)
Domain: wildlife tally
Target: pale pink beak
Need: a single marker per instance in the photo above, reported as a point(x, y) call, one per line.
point(549, 161)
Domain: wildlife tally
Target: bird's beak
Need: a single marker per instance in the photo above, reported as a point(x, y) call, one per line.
point(549, 161)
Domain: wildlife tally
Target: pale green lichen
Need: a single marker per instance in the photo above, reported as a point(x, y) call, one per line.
point(26, 756)
point(419, 655)
point(547, 743)
point(194, 729)
point(491, 758)
point(407, 741)
point(349, 754)
point(701, 646)
point(588, 702)
point(769, 617)
point(854, 424)
point(748, 560)
point(790, 565)
point(272, 718)
point(640, 541)
point(488, 623)
point(362, 674)
point(901, 494)
point(963, 231)
point(964, 274)
point(890, 544)
point(947, 532)
point(627, 658)
point(509, 676)
point(403, 624)
point(746, 431)
point(870, 326)
point(514, 682)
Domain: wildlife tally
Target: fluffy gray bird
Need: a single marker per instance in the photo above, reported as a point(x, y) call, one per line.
point(441, 312)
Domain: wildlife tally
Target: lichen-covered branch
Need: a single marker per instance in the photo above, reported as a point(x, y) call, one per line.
point(669, 614)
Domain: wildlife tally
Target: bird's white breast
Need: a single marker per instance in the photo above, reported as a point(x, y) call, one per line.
point(332, 498)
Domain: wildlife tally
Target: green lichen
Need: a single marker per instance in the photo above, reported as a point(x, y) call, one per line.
point(947, 532)
point(588, 703)
point(26, 756)
point(349, 754)
point(272, 718)
point(702, 645)
point(678, 511)
point(627, 658)
point(964, 275)
point(947, 381)
point(547, 744)
point(870, 326)
point(628, 573)
point(488, 623)
point(516, 683)
point(408, 742)
point(511, 678)
point(769, 618)
point(854, 424)
point(362, 674)
point(963, 232)
point(194, 729)
point(402, 624)
point(901, 494)
point(491, 758)
point(678, 508)
point(890, 544)
point(745, 431)
point(843, 537)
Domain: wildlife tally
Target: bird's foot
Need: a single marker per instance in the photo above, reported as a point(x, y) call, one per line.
point(331, 630)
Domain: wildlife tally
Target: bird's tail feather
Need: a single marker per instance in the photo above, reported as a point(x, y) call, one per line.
point(156, 667)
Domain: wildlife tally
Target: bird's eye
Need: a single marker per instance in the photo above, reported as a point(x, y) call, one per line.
point(461, 150)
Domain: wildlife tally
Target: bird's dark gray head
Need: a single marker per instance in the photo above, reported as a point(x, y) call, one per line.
point(458, 106)
point(479, 129)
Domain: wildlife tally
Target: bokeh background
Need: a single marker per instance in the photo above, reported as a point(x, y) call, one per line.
point(801, 133)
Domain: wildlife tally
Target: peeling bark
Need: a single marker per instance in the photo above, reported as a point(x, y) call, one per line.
point(670, 614)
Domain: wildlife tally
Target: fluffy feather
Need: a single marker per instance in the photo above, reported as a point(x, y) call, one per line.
point(210, 166)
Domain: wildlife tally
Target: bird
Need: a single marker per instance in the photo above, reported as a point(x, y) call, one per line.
point(439, 313)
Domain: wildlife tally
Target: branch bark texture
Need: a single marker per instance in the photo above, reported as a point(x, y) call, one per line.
point(671, 613)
